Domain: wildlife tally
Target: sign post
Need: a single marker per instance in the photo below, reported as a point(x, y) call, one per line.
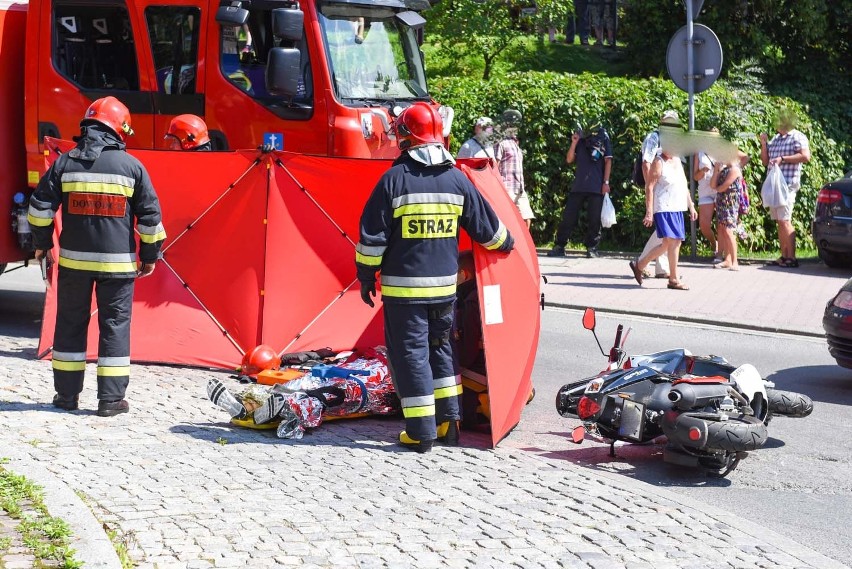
point(693, 70)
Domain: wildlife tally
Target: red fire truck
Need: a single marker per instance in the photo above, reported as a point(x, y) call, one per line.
point(323, 77)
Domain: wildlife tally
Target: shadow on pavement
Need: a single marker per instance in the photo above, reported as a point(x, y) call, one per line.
point(44, 407)
point(639, 462)
point(826, 383)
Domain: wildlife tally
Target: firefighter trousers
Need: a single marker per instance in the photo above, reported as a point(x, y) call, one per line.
point(422, 365)
point(114, 298)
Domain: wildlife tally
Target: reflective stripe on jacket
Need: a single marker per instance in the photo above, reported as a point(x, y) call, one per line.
point(409, 231)
point(103, 192)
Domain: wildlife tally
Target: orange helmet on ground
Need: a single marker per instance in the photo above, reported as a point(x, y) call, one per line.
point(419, 124)
point(110, 112)
point(259, 358)
point(187, 131)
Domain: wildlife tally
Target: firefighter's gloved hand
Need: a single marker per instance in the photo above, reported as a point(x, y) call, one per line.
point(147, 269)
point(368, 290)
point(508, 244)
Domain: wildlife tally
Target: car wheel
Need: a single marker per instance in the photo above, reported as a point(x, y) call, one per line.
point(844, 363)
point(832, 259)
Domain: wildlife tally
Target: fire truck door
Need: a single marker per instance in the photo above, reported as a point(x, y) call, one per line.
point(174, 35)
point(93, 54)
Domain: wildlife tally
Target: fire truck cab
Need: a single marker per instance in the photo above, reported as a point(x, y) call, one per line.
point(323, 77)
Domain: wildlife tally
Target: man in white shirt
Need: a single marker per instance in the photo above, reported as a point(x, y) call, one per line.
point(480, 145)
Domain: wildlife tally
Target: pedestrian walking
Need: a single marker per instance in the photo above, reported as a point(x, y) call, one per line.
point(105, 194)
point(593, 154)
point(510, 163)
point(788, 149)
point(727, 181)
point(666, 198)
point(409, 233)
point(650, 151)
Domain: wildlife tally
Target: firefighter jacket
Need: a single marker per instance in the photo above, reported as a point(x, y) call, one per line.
point(102, 191)
point(409, 231)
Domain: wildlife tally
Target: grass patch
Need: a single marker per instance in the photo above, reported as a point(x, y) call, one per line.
point(47, 537)
point(120, 544)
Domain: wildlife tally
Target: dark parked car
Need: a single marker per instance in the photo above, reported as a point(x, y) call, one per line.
point(837, 322)
point(832, 225)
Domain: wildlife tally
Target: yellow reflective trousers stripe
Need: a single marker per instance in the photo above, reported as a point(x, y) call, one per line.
point(69, 366)
point(96, 266)
point(422, 411)
point(418, 292)
point(445, 392)
point(113, 371)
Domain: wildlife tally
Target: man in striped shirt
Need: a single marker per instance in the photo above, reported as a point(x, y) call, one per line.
point(788, 149)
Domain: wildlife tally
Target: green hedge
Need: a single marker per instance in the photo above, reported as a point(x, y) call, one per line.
point(554, 103)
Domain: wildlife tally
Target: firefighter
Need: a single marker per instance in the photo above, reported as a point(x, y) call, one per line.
point(409, 233)
point(102, 190)
point(188, 132)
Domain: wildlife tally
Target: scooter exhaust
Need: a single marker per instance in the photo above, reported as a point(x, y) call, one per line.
point(686, 396)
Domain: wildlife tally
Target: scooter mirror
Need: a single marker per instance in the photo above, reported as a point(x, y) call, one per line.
point(589, 319)
point(578, 434)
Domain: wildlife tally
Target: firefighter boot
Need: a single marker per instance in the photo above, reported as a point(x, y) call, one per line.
point(112, 408)
point(413, 444)
point(448, 433)
point(66, 403)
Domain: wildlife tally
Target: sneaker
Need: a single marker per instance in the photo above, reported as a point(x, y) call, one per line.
point(66, 403)
point(112, 408)
point(557, 251)
point(448, 433)
point(413, 444)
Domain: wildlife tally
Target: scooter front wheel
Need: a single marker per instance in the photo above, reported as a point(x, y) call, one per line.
point(789, 403)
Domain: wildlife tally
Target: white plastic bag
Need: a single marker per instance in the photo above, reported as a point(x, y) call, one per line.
point(774, 192)
point(607, 212)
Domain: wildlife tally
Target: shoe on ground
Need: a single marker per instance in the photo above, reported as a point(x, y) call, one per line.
point(448, 433)
point(557, 251)
point(112, 408)
point(637, 273)
point(414, 444)
point(66, 403)
point(592, 254)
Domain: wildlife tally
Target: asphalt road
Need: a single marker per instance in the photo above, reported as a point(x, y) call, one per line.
point(799, 484)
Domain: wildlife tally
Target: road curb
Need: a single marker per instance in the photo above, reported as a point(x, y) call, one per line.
point(90, 542)
point(690, 319)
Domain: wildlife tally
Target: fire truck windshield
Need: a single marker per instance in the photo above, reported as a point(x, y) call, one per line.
point(373, 55)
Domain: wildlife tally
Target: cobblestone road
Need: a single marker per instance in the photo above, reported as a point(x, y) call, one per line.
point(184, 489)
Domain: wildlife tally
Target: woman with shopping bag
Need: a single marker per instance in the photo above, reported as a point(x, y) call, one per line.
point(786, 152)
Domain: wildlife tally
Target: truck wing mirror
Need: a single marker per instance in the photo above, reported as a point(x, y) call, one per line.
point(232, 13)
point(411, 19)
point(282, 71)
point(288, 24)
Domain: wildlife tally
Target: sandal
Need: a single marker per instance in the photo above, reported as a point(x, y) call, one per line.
point(637, 274)
point(777, 262)
point(721, 266)
point(789, 263)
point(677, 285)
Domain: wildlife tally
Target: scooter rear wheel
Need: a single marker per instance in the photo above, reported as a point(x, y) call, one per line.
point(737, 434)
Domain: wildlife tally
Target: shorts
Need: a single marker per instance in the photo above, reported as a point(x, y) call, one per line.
point(523, 203)
point(670, 225)
point(600, 15)
point(785, 212)
point(706, 197)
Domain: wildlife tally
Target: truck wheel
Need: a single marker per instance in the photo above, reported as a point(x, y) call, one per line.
point(789, 403)
point(737, 434)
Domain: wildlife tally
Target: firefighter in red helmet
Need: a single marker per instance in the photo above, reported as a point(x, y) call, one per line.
point(188, 132)
point(409, 233)
point(106, 197)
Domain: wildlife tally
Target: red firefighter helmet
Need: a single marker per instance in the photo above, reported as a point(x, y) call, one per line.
point(189, 131)
point(259, 358)
point(110, 112)
point(419, 124)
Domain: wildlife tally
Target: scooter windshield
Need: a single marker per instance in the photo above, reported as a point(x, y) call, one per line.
point(373, 55)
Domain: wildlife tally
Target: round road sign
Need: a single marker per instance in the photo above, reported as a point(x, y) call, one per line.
point(707, 58)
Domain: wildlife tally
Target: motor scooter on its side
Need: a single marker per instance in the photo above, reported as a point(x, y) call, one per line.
point(711, 412)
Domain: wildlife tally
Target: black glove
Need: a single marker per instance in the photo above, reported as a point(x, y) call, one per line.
point(508, 244)
point(368, 290)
